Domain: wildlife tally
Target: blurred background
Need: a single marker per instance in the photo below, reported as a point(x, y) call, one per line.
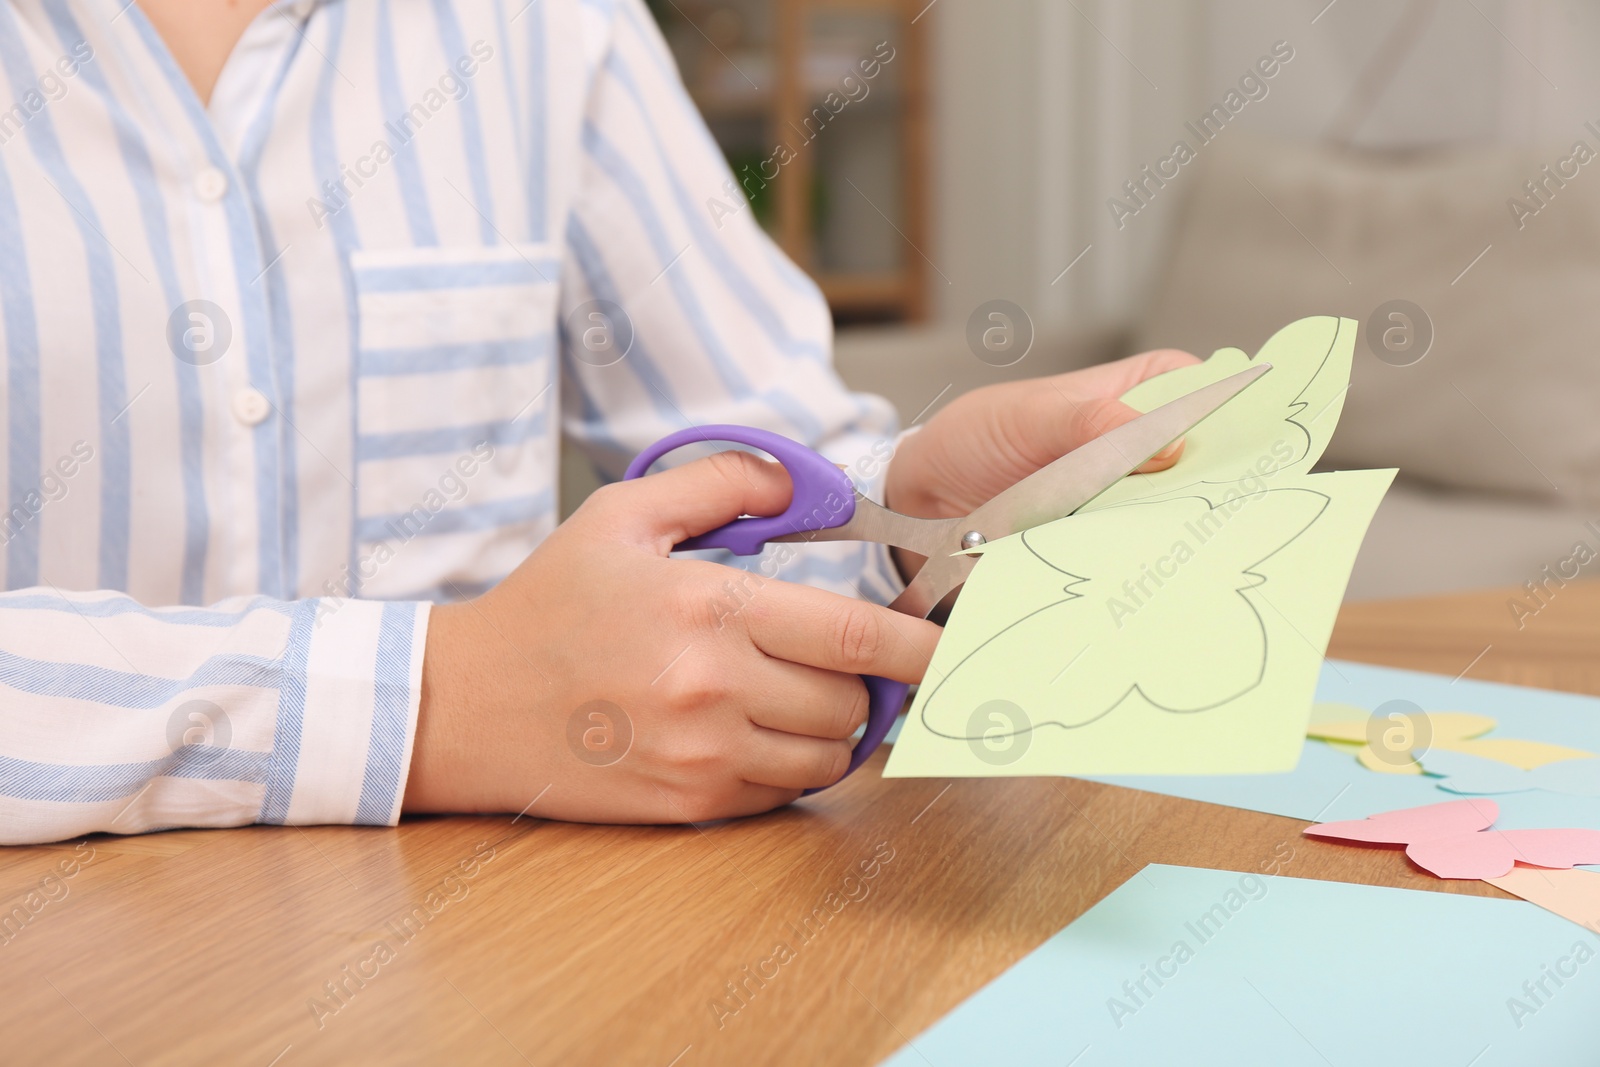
point(1110, 176)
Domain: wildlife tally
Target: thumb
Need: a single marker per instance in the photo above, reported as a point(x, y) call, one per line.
point(1096, 410)
point(662, 509)
point(1087, 418)
point(1106, 415)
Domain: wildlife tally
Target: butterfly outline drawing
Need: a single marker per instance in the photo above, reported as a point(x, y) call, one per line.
point(933, 716)
point(1334, 357)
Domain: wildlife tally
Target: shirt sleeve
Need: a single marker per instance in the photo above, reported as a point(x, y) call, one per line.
point(678, 310)
point(252, 710)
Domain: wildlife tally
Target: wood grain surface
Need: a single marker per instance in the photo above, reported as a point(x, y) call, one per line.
point(522, 941)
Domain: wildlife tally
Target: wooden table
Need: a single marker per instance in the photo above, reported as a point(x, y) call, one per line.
point(551, 943)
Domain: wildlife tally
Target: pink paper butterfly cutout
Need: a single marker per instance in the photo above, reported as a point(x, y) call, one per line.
point(1453, 840)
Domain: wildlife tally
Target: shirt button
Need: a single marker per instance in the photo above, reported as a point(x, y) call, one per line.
point(211, 185)
point(251, 407)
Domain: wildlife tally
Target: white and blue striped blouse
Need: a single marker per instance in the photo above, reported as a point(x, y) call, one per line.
point(282, 370)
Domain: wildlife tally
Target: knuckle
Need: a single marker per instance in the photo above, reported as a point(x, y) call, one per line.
point(732, 465)
point(1093, 416)
point(690, 686)
point(606, 498)
point(688, 765)
point(858, 635)
point(849, 713)
point(743, 472)
point(713, 602)
point(690, 607)
point(836, 762)
point(738, 471)
point(758, 610)
point(1161, 360)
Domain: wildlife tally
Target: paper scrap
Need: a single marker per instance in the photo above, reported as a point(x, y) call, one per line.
point(1572, 895)
point(1444, 726)
point(1471, 774)
point(1386, 745)
point(1328, 784)
point(1453, 840)
point(1450, 818)
point(1492, 853)
point(1397, 735)
point(1177, 625)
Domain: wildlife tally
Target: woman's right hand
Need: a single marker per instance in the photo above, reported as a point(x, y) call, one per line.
point(620, 685)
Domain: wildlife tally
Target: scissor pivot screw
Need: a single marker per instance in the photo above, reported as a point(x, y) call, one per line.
point(972, 539)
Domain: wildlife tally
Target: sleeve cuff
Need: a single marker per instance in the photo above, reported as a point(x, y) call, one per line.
point(347, 713)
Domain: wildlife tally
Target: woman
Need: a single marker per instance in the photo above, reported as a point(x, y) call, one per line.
point(298, 300)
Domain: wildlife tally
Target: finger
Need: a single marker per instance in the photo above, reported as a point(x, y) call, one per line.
point(822, 629)
point(1062, 419)
point(665, 508)
point(1123, 375)
point(808, 701)
point(1101, 416)
point(1093, 394)
point(786, 761)
point(1120, 375)
point(1163, 459)
point(1085, 404)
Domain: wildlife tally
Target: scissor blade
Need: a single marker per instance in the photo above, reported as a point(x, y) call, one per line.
point(1060, 488)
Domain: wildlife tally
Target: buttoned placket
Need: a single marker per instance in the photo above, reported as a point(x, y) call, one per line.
point(244, 387)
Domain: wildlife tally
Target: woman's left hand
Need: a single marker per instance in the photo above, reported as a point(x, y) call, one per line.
point(992, 438)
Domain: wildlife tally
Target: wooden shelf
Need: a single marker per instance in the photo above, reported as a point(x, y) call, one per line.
point(866, 292)
point(724, 105)
point(783, 102)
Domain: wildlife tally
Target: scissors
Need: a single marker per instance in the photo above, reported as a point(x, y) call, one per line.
point(827, 507)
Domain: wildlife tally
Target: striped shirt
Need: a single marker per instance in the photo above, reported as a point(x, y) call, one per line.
point(283, 370)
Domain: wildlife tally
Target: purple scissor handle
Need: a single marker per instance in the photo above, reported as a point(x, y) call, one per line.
point(826, 507)
point(824, 499)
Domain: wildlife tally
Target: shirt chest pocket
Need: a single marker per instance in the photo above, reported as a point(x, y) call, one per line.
point(456, 437)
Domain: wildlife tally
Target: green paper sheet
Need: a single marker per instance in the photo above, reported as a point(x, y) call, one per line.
point(1278, 427)
point(1177, 625)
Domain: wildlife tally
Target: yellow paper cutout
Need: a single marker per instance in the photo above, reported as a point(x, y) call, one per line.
point(1446, 728)
point(1457, 731)
point(1527, 755)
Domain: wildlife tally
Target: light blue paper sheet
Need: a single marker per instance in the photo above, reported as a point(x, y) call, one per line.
point(1288, 972)
point(1329, 784)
